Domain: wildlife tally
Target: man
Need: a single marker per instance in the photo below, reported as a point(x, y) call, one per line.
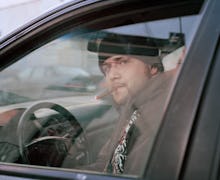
point(125, 76)
point(134, 78)
point(126, 70)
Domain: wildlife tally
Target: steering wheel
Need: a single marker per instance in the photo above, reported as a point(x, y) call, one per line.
point(51, 148)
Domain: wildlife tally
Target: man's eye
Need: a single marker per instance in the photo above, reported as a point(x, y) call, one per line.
point(105, 68)
point(123, 61)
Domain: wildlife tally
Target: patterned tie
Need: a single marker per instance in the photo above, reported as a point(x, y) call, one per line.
point(119, 156)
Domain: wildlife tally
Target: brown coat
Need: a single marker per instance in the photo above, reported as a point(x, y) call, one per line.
point(151, 102)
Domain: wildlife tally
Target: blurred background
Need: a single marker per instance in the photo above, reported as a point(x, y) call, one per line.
point(14, 13)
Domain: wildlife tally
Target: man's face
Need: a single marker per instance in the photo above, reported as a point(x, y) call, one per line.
point(125, 76)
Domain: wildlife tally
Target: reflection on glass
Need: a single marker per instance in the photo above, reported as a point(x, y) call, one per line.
point(92, 101)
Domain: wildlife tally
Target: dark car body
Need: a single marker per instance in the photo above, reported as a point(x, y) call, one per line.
point(187, 145)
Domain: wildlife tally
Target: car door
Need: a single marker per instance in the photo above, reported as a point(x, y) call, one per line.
point(191, 120)
point(174, 151)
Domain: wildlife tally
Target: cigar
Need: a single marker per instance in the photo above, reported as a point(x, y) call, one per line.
point(107, 92)
point(103, 94)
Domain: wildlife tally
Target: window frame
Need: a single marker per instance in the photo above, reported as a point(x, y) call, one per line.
point(62, 20)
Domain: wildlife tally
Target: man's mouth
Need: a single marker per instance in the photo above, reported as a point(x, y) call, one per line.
point(117, 86)
point(107, 92)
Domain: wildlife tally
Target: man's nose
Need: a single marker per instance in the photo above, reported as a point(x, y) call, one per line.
point(114, 72)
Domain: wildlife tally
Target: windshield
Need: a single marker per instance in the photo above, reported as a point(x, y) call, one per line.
point(92, 100)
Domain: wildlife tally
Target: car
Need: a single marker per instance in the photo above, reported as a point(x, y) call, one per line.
point(58, 136)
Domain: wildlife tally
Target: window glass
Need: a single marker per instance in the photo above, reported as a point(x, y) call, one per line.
point(92, 100)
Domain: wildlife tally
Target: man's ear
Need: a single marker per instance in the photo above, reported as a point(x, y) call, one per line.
point(153, 71)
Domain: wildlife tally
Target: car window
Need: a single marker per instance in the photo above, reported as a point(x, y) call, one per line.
point(93, 99)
